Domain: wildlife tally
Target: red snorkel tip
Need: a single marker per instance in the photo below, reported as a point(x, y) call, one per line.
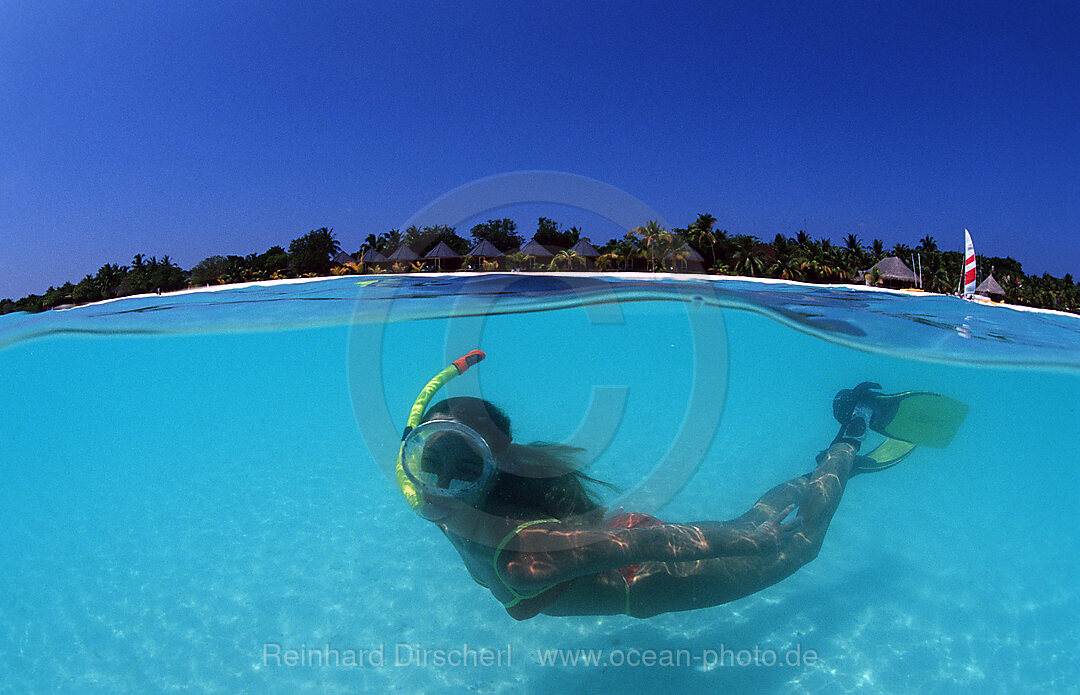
point(465, 361)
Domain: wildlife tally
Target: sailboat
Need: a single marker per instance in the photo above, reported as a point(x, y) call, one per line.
point(968, 281)
point(967, 288)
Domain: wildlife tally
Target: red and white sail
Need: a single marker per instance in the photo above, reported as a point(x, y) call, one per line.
point(969, 264)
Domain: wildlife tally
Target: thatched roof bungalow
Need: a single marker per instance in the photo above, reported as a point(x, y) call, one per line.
point(891, 272)
point(343, 258)
point(403, 253)
point(441, 253)
point(990, 288)
point(485, 249)
point(585, 249)
point(685, 259)
point(372, 256)
point(535, 252)
point(586, 252)
point(400, 258)
point(486, 252)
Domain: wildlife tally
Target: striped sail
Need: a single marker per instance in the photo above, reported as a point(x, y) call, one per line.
point(969, 264)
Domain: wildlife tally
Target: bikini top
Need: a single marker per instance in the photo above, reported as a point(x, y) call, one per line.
point(518, 597)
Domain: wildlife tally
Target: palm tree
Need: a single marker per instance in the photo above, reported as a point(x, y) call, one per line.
point(815, 269)
point(674, 256)
point(938, 279)
point(628, 249)
point(568, 257)
point(607, 261)
point(878, 249)
point(515, 260)
point(652, 234)
point(108, 279)
point(821, 261)
point(720, 240)
point(704, 221)
point(702, 236)
point(838, 261)
point(328, 238)
point(787, 267)
point(746, 257)
point(700, 232)
point(389, 241)
point(928, 243)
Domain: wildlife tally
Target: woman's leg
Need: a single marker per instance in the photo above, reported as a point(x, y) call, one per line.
point(668, 587)
point(772, 502)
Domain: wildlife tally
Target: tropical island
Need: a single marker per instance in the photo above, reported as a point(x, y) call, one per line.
point(496, 245)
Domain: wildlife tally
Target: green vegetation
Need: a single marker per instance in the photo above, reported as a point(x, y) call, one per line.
point(502, 233)
point(698, 247)
point(311, 253)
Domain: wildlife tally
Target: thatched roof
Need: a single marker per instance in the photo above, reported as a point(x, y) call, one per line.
point(403, 253)
point(485, 249)
point(536, 249)
point(585, 249)
point(441, 250)
point(990, 287)
point(343, 258)
point(372, 256)
point(892, 268)
point(688, 254)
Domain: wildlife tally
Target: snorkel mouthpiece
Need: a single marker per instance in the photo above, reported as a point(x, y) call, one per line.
point(406, 483)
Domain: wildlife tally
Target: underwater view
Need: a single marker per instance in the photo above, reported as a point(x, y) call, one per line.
point(200, 489)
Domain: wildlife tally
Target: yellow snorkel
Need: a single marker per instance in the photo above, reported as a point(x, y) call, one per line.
point(408, 488)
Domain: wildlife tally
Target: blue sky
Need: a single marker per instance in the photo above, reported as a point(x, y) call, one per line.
point(193, 129)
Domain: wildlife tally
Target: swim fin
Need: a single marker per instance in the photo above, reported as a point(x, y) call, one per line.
point(920, 418)
point(887, 454)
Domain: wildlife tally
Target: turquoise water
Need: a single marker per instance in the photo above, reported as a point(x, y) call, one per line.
point(195, 484)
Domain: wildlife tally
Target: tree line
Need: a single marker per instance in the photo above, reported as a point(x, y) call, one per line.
point(649, 247)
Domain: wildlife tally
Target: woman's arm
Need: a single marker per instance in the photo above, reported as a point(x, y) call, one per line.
point(546, 555)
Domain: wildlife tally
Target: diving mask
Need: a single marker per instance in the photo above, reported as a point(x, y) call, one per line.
point(446, 459)
point(427, 446)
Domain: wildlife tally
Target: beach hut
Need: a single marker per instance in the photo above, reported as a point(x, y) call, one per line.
point(440, 253)
point(990, 288)
point(403, 255)
point(891, 272)
point(372, 256)
point(342, 263)
point(536, 251)
point(484, 249)
point(586, 251)
point(685, 259)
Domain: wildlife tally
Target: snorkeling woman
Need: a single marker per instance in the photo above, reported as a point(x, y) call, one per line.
point(530, 530)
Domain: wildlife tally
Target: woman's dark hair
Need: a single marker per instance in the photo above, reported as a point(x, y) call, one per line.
point(541, 477)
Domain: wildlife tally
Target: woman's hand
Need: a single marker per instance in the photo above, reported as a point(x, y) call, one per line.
point(774, 532)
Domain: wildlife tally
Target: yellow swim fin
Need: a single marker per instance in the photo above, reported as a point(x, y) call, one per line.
point(887, 454)
point(921, 418)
